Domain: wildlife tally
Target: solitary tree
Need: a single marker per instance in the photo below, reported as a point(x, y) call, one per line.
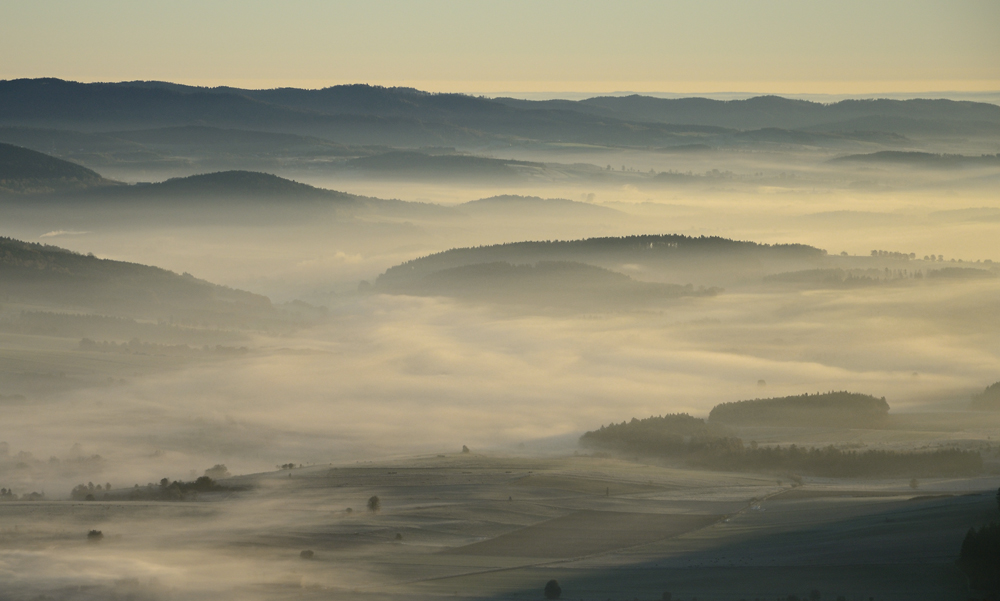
point(374, 504)
point(552, 590)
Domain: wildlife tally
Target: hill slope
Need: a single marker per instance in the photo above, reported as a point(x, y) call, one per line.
point(22, 170)
point(48, 276)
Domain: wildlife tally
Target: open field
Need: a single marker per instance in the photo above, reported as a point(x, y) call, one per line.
point(489, 526)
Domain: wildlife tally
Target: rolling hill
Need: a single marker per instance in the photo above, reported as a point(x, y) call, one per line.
point(831, 409)
point(675, 254)
point(50, 277)
point(24, 170)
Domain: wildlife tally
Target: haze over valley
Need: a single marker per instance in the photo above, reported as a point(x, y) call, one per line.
point(374, 342)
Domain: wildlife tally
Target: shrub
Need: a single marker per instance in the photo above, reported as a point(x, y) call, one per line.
point(552, 590)
point(374, 504)
point(94, 536)
point(307, 554)
point(217, 471)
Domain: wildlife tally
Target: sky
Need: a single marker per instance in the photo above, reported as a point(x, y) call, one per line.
point(472, 46)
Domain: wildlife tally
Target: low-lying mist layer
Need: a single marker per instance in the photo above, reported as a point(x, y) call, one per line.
point(420, 307)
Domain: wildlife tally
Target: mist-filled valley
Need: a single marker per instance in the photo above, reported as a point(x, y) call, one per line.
point(378, 343)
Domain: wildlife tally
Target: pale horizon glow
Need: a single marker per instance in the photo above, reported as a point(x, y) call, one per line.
point(554, 88)
point(686, 47)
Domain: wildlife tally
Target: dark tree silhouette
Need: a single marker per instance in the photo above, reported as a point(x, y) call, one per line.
point(980, 557)
point(374, 504)
point(552, 590)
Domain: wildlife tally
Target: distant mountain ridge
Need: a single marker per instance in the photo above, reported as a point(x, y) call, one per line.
point(776, 111)
point(922, 159)
point(363, 114)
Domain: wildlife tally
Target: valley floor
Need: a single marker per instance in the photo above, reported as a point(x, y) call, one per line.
point(492, 526)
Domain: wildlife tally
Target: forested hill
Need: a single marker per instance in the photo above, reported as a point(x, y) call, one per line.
point(988, 399)
point(692, 440)
point(24, 170)
point(845, 409)
point(47, 276)
point(671, 248)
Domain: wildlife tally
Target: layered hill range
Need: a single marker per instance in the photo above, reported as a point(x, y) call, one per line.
point(599, 273)
point(403, 132)
point(33, 179)
point(363, 114)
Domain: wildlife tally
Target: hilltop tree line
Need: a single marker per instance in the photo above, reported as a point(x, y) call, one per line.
point(988, 399)
point(706, 445)
point(176, 490)
point(7, 494)
point(625, 248)
point(840, 408)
